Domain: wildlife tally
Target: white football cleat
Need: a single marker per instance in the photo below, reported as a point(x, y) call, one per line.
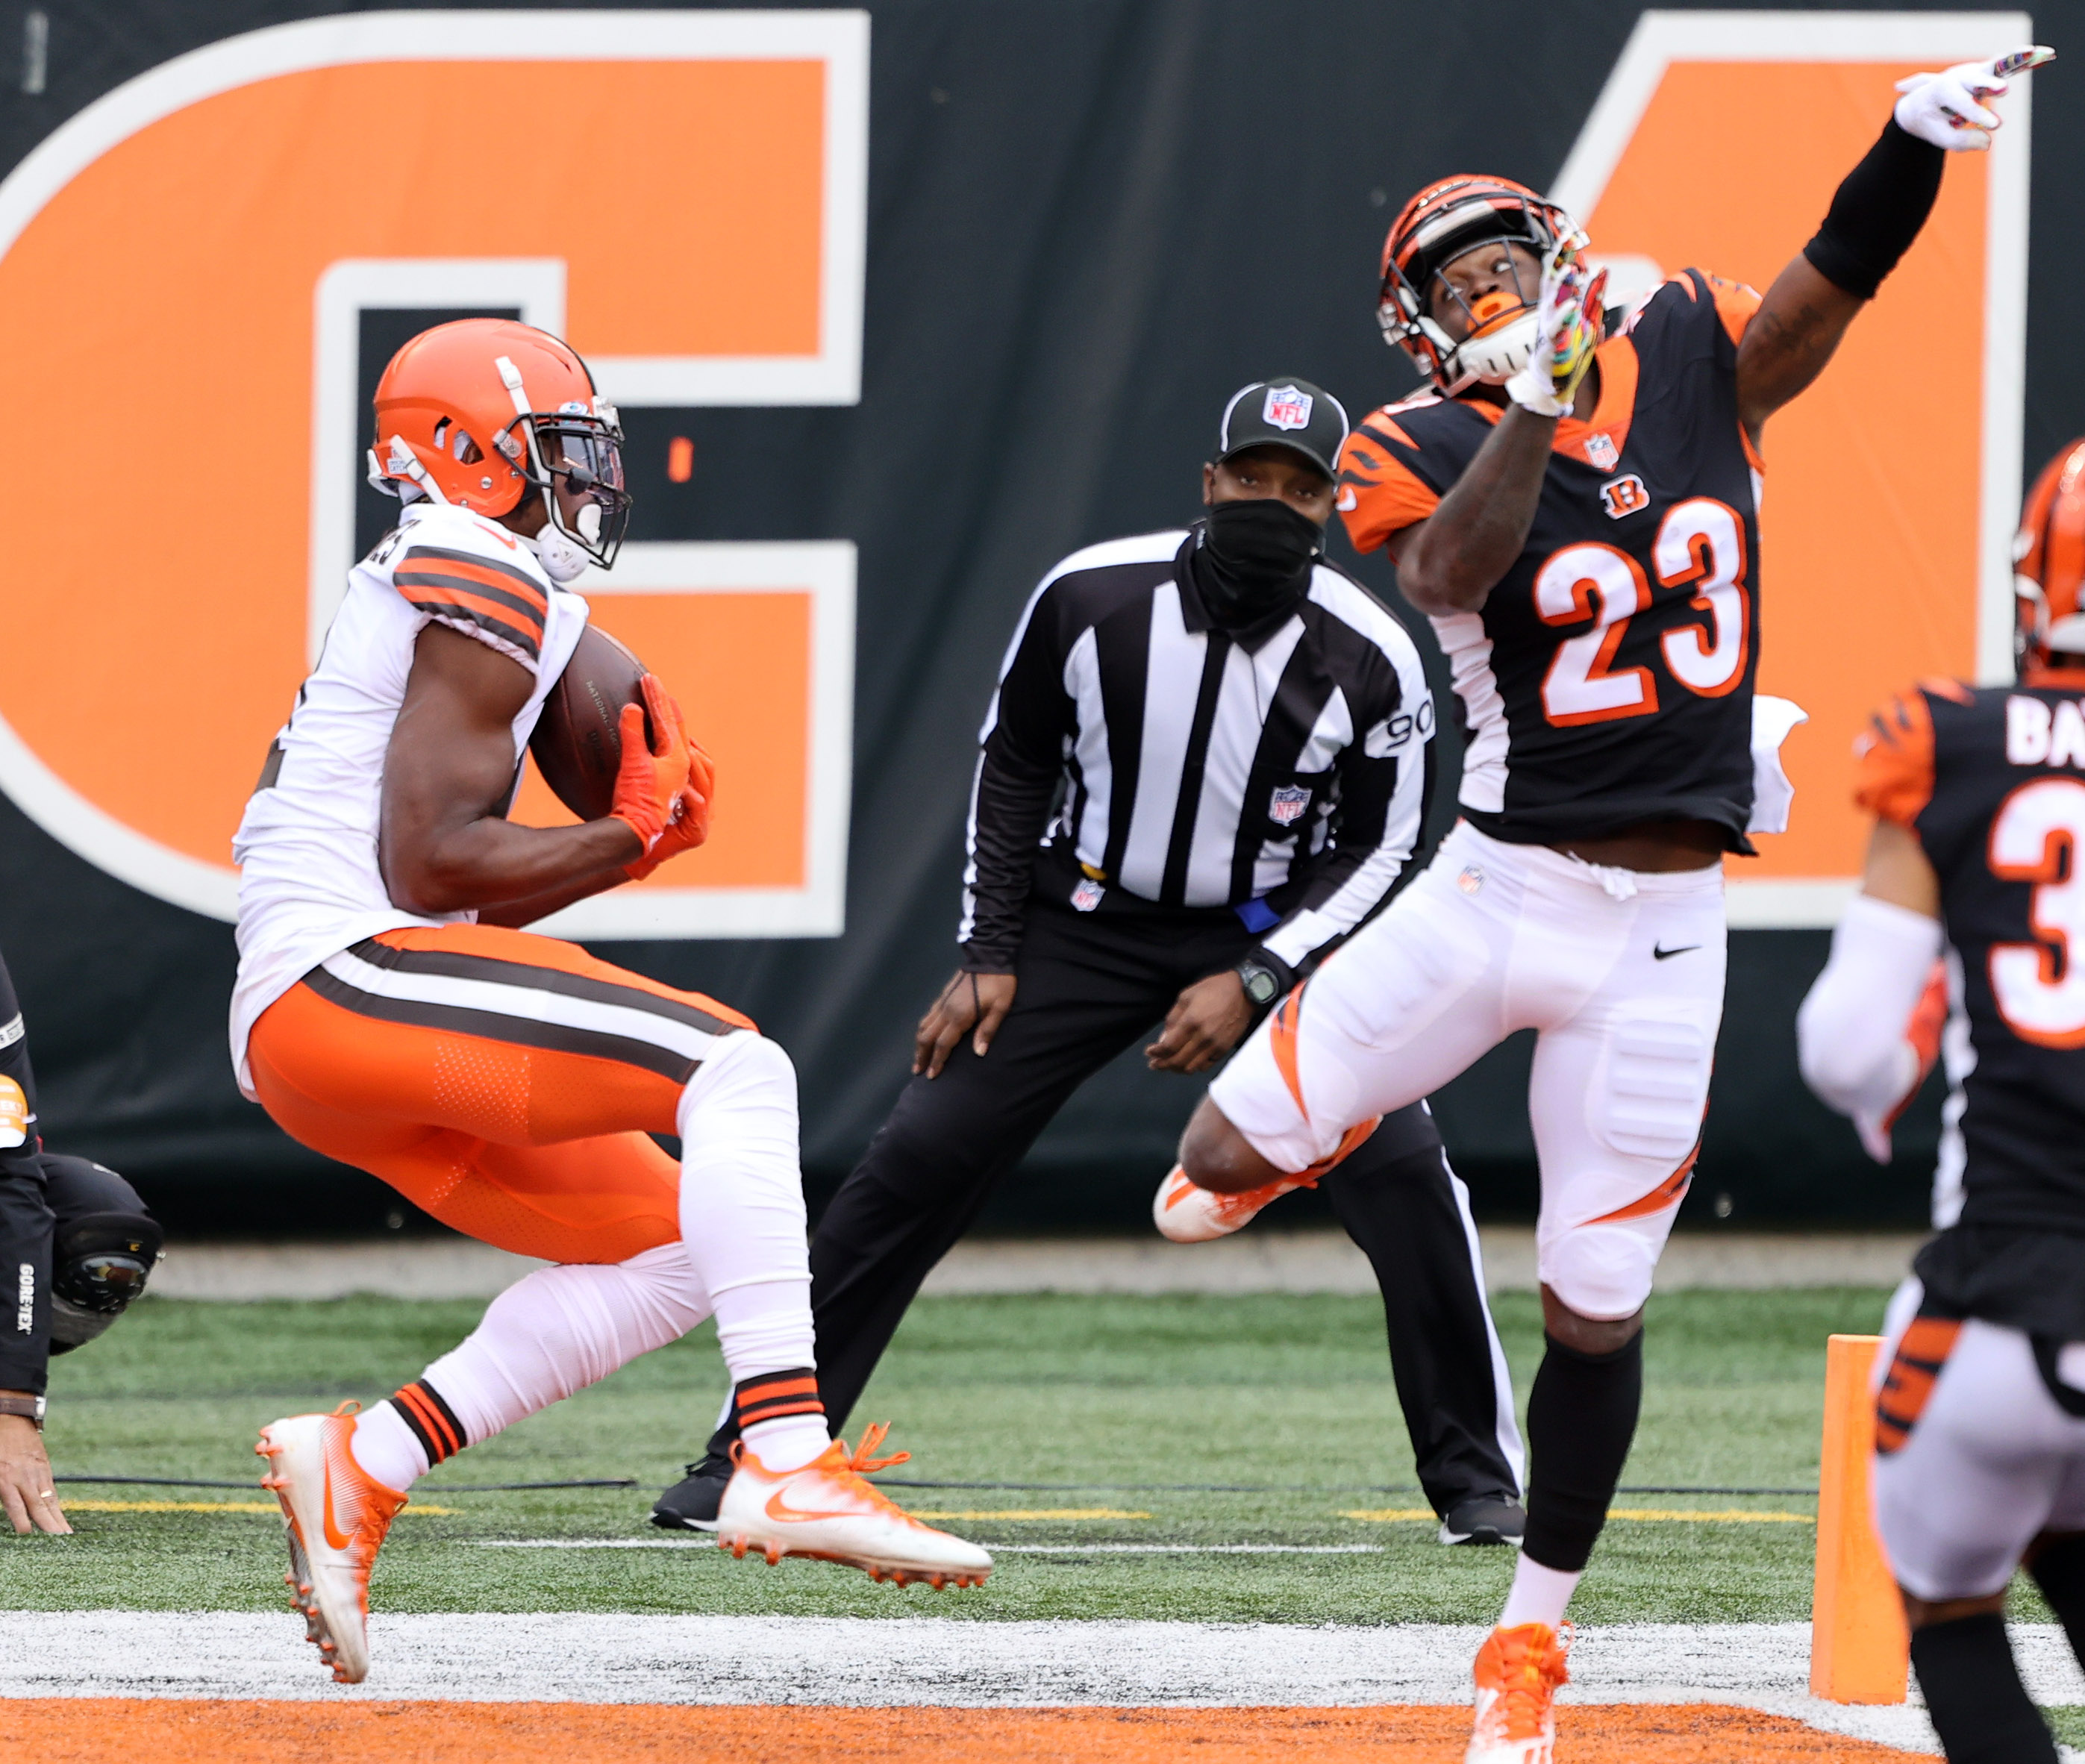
point(1519, 1672)
point(1189, 1214)
point(828, 1510)
point(1192, 1215)
point(336, 1515)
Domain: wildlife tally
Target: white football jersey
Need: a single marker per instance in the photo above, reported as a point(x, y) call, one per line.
point(309, 881)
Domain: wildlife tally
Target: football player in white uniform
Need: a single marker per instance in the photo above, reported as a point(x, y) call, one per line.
point(388, 1013)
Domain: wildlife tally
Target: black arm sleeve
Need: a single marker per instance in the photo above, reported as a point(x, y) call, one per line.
point(1877, 212)
point(1016, 782)
point(25, 1222)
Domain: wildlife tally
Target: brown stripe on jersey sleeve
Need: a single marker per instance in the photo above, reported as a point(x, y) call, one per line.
point(477, 597)
point(502, 630)
point(487, 572)
point(1893, 760)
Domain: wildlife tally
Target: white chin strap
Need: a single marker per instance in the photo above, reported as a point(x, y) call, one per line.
point(562, 561)
point(1496, 356)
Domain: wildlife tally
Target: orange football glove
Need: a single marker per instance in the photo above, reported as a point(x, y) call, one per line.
point(691, 825)
point(651, 775)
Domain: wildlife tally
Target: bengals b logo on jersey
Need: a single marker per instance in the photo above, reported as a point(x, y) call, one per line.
point(1620, 496)
point(683, 195)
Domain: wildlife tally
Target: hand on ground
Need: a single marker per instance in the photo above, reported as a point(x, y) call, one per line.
point(26, 1489)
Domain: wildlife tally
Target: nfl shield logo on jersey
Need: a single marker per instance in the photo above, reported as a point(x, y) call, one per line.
point(1087, 895)
point(1600, 451)
point(1286, 408)
point(1289, 802)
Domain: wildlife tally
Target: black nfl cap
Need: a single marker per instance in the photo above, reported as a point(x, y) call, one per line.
point(1288, 414)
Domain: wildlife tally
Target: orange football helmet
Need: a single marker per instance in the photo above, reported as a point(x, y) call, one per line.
point(480, 412)
point(2049, 566)
point(1437, 226)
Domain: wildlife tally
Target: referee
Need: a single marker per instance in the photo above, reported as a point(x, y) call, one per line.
point(1207, 762)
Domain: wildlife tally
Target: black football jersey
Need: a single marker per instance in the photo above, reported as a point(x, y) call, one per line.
point(1992, 782)
point(1608, 678)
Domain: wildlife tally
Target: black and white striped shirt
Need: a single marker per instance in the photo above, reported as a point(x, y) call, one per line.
point(1285, 781)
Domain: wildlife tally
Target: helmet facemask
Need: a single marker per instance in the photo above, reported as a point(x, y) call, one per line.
point(1501, 329)
point(584, 448)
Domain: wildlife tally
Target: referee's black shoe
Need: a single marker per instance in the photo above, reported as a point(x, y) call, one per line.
point(691, 1503)
point(1482, 1518)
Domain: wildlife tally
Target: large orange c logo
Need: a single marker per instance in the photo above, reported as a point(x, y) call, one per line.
point(683, 194)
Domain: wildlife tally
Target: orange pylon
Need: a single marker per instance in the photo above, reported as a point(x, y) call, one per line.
point(1860, 1650)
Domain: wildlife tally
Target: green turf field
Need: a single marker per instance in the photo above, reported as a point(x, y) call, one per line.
point(1285, 1400)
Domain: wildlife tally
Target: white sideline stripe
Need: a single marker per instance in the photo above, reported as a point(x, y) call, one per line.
point(517, 999)
point(997, 1549)
point(572, 1657)
point(1256, 1261)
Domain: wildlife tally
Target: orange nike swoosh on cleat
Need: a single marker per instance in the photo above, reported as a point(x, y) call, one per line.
point(332, 1531)
point(776, 1510)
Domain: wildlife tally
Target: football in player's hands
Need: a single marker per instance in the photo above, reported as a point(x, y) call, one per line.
point(1947, 109)
point(577, 745)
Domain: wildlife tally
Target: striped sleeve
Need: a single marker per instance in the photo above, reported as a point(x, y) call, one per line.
point(1386, 773)
point(495, 602)
point(1379, 493)
point(1893, 760)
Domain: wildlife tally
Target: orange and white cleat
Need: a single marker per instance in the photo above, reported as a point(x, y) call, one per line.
point(1519, 1672)
point(830, 1510)
point(336, 1515)
point(1189, 1214)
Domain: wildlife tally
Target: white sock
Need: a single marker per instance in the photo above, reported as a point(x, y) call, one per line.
point(387, 1449)
point(1539, 1595)
point(743, 1226)
point(788, 1443)
point(559, 1330)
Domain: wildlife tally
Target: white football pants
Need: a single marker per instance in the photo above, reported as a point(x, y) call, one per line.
point(1621, 973)
point(1992, 1460)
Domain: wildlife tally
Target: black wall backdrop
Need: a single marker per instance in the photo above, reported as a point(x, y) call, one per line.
point(1090, 222)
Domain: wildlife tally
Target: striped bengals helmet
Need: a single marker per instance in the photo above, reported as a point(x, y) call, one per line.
point(2049, 564)
point(1438, 225)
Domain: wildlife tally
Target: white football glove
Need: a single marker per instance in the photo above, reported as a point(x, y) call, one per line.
point(1947, 109)
point(1567, 330)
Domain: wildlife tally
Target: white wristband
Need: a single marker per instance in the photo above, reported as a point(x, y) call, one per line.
point(1534, 393)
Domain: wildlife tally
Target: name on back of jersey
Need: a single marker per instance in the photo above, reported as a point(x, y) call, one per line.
point(2039, 733)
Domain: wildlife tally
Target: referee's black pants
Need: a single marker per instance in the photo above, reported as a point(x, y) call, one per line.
point(1090, 986)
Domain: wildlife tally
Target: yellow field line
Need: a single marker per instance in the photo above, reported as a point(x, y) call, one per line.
point(203, 1507)
point(1683, 1516)
point(1026, 1512)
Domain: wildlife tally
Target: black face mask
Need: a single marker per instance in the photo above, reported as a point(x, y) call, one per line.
point(1252, 560)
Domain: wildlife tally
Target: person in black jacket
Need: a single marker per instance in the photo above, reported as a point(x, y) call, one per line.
point(1207, 762)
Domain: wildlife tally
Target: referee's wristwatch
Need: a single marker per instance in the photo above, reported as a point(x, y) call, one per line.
point(1265, 977)
point(28, 1408)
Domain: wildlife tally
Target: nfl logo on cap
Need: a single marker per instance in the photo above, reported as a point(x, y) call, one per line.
point(1287, 407)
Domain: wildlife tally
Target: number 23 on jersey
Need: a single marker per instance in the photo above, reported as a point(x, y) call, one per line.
point(1701, 544)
